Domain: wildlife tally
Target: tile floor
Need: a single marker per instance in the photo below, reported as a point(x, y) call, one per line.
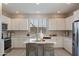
point(22, 52)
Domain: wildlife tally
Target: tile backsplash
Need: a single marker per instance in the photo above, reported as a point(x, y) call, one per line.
point(19, 37)
point(56, 33)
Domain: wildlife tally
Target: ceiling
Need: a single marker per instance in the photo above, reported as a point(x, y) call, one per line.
point(42, 8)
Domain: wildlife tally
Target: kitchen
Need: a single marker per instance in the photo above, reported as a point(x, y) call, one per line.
point(26, 20)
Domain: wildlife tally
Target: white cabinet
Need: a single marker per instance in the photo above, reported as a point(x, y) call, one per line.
point(14, 24)
point(76, 15)
point(4, 19)
point(68, 44)
point(56, 24)
point(60, 24)
point(9, 24)
point(51, 24)
point(18, 24)
point(59, 41)
point(69, 20)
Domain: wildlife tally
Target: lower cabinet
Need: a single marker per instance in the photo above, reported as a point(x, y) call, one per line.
point(59, 41)
point(68, 44)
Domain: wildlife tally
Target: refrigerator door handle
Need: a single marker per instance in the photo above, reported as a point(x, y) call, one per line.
point(77, 38)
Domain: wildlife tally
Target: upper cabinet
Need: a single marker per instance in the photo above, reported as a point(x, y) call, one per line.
point(51, 24)
point(60, 23)
point(18, 24)
point(56, 24)
point(4, 19)
point(76, 15)
point(69, 20)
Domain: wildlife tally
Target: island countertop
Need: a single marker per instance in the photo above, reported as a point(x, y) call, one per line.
point(40, 42)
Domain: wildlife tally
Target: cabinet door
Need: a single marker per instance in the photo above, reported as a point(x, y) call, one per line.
point(68, 44)
point(60, 24)
point(76, 15)
point(59, 41)
point(54, 39)
point(19, 24)
point(52, 24)
point(15, 24)
point(69, 21)
point(49, 24)
point(57, 24)
point(4, 19)
point(23, 24)
point(9, 24)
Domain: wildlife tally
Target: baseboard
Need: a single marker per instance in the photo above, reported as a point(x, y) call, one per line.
point(18, 48)
point(25, 47)
point(58, 47)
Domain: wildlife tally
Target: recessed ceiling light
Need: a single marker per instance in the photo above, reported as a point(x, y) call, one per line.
point(37, 11)
point(37, 3)
point(58, 11)
point(17, 11)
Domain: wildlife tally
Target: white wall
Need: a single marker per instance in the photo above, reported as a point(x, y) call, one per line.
point(1, 41)
point(3, 19)
point(0, 9)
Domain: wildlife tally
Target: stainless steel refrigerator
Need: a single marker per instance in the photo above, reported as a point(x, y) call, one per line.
point(75, 42)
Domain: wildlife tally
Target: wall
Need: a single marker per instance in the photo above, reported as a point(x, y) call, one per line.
point(0, 9)
point(1, 41)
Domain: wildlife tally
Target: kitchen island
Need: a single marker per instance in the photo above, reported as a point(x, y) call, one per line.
point(46, 44)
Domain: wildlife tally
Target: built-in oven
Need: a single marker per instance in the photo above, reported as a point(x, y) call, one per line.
point(6, 36)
